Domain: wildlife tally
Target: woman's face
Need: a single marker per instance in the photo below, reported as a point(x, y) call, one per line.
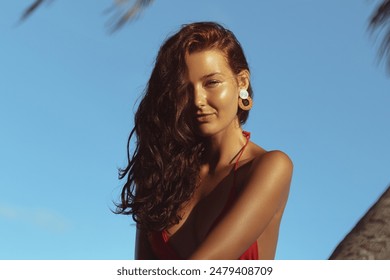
point(215, 91)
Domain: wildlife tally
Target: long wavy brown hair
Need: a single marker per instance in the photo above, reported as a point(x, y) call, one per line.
point(163, 171)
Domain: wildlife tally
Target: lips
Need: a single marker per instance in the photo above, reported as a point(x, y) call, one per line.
point(204, 117)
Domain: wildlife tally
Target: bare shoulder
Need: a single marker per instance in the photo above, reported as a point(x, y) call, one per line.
point(270, 170)
point(275, 158)
point(271, 158)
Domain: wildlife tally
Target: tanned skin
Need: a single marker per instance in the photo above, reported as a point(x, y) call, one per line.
point(263, 177)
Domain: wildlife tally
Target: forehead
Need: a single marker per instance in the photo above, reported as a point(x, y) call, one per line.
point(206, 62)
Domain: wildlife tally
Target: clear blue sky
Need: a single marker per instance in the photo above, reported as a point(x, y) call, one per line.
point(67, 95)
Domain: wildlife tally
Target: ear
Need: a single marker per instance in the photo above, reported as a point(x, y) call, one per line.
point(243, 79)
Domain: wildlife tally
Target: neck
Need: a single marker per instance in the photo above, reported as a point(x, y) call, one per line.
point(223, 147)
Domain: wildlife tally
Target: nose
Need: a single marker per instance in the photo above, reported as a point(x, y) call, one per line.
point(200, 97)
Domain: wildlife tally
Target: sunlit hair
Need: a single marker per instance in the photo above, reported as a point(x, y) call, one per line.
point(163, 171)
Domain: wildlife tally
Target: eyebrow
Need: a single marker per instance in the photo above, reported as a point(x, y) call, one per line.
point(210, 75)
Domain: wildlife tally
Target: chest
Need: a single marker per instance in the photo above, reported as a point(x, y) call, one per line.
point(201, 212)
point(212, 199)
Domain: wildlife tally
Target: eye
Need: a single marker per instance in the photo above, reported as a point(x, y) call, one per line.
point(212, 83)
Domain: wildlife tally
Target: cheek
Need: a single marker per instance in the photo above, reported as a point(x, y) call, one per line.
point(225, 97)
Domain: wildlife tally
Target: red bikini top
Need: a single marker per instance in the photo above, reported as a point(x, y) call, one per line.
point(159, 240)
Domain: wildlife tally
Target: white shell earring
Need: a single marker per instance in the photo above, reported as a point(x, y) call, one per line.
point(245, 101)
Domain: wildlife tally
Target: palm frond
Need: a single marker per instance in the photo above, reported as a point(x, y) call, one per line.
point(31, 9)
point(380, 21)
point(124, 11)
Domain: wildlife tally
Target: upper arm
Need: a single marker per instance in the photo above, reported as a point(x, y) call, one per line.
point(263, 195)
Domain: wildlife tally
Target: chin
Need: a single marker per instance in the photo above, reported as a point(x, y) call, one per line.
point(207, 131)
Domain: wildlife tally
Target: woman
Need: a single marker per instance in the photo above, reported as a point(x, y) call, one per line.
point(197, 187)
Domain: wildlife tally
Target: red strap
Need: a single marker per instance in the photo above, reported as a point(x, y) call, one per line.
point(159, 240)
point(247, 136)
point(233, 190)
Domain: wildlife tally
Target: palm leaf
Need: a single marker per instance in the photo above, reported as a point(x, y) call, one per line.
point(124, 11)
point(379, 21)
point(31, 9)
